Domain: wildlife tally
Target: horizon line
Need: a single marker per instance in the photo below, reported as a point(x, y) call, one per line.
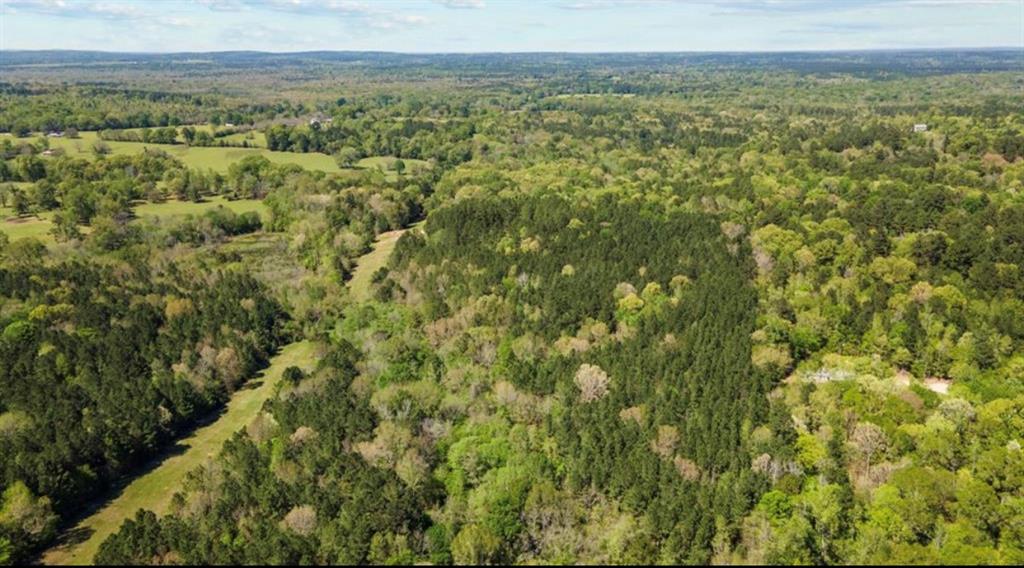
point(526, 52)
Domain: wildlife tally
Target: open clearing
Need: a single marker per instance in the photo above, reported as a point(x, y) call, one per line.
point(39, 226)
point(220, 158)
point(372, 261)
point(28, 226)
point(182, 208)
point(387, 163)
point(212, 157)
point(154, 490)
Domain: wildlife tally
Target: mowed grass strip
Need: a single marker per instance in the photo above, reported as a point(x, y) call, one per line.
point(371, 262)
point(155, 489)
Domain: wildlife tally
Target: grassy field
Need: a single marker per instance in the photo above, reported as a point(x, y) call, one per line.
point(387, 163)
point(39, 227)
point(20, 228)
point(372, 262)
point(255, 137)
point(217, 159)
point(214, 158)
point(220, 158)
point(182, 208)
point(155, 489)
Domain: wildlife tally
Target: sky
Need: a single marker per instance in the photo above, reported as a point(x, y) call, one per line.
point(419, 26)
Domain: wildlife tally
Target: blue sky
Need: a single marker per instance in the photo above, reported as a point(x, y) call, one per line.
point(508, 25)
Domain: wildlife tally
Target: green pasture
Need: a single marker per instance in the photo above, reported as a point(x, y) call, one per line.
point(39, 226)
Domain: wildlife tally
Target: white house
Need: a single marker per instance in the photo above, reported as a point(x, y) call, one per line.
point(921, 128)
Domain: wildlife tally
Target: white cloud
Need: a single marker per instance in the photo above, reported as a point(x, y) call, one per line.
point(72, 9)
point(523, 25)
point(782, 5)
point(462, 4)
point(223, 5)
point(113, 12)
point(366, 15)
point(369, 15)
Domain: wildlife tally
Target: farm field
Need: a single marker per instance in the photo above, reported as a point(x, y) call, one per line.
point(387, 163)
point(38, 226)
point(218, 159)
point(732, 308)
point(182, 208)
point(257, 139)
point(31, 226)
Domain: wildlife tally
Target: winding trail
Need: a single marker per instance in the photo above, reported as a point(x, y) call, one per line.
point(154, 489)
point(371, 262)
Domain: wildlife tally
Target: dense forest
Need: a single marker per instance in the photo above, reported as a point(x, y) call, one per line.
point(682, 309)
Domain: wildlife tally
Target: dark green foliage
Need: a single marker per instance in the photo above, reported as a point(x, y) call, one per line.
point(353, 505)
point(579, 357)
point(705, 388)
point(108, 374)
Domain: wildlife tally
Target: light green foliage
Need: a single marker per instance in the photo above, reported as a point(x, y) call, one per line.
point(661, 309)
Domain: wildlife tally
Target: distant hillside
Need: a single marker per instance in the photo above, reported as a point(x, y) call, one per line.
point(910, 61)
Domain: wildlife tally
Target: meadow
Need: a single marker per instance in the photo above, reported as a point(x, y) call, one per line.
point(656, 308)
point(182, 208)
point(220, 158)
point(36, 226)
point(387, 164)
point(39, 226)
point(213, 158)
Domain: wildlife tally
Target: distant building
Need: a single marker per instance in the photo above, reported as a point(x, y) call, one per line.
point(920, 128)
point(320, 119)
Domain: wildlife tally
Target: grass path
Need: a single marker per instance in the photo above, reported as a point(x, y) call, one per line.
point(371, 262)
point(154, 489)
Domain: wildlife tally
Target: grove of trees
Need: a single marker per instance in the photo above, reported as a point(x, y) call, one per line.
point(656, 308)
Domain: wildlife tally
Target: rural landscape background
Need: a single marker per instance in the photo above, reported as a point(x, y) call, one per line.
point(516, 305)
